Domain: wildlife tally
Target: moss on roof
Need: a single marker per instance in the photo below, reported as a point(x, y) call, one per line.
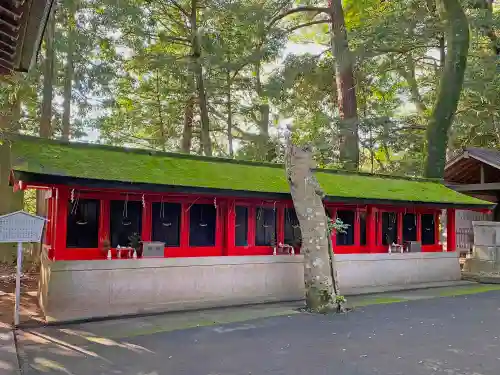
point(33, 155)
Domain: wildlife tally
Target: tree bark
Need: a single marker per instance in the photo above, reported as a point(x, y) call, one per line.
point(308, 202)
point(264, 116)
point(47, 96)
point(200, 84)
point(69, 70)
point(229, 107)
point(48, 78)
point(487, 28)
point(9, 201)
point(408, 73)
point(450, 87)
point(187, 132)
point(161, 125)
point(346, 91)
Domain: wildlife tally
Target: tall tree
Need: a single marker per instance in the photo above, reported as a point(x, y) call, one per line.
point(69, 69)
point(46, 129)
point(346, 89)
point(48, 78)
point(196, 55)
point(450, 86)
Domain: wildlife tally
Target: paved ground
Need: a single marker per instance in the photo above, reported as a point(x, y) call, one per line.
point(9, 364)
point(441, 336)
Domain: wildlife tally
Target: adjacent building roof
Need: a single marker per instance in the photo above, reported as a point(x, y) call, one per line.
point(22, 24)
point(465, 166)
point(50, 162)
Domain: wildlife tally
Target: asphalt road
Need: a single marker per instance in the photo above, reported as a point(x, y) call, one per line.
point(441, 336)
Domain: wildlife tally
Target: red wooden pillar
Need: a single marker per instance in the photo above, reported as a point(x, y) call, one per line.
point(230, 228)
point(220, 225)
point(451, 239)
point(280, 224)
point(104, 222)
point(437, 234)
point(357, 229)
point(419, 227)
point(147, 221)
point(251, 226)
point(50, 213)
point(185, 227)
point(61, 217)
point(400, 228)
point(371, 232)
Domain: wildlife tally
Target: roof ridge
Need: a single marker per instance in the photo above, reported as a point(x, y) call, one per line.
point(142, 151)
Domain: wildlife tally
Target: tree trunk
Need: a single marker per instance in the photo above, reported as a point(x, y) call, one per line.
point(200, 84)
point(187, 132)
point(487, 28)
point(450, 87)
point(9, 201)
point(346, 91)
point(48, 78)
point(442, 52)
point(69, 70)
point(161, 125)
point(229, 114)
point(308, 202)
point(47, 96)
point(408, 73)
point(264, 116)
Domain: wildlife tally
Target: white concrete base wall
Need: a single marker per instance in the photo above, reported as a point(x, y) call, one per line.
point(369, 273)
point(85, 289)
point(71, 290)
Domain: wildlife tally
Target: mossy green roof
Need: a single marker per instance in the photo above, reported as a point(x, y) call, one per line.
point(36, 156)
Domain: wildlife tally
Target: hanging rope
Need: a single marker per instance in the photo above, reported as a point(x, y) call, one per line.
point(163, 220)
point(191, 205)
point(294, 226)
point(74, 207)
point(202, 223)
point(125, 219)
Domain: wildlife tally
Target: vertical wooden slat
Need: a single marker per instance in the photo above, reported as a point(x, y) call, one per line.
point(451, 239)
point(61, 222)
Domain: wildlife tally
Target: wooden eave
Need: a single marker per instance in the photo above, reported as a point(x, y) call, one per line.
point(76, 182)
point(22, 24)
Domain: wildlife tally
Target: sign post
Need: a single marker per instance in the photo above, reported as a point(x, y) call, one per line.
point(20, 227)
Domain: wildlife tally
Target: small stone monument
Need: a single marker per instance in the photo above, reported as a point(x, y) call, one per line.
point(20, 227)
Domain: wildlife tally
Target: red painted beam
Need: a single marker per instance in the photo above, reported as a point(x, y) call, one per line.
point(451, 235)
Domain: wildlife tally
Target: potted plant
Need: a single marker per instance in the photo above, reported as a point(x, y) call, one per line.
point(136, 243)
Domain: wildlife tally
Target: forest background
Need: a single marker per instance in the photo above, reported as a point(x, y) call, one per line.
point(373, 85)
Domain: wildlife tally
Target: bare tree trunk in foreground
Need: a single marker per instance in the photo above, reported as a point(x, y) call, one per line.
point(321, 291)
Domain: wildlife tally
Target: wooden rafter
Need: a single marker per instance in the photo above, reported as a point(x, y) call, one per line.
point(21, 26)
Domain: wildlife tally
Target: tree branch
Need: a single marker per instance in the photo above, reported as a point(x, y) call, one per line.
point(301, 9)
point(317, 22)
point(181, 9)
point(245, 135)
point(178, 40)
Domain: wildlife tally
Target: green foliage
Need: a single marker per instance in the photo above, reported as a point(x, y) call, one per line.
point(337, 226)
point(30, 201)
point(133, 81)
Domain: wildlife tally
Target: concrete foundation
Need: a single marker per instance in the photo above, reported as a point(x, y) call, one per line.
point(373, 273)
point(71, 290)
